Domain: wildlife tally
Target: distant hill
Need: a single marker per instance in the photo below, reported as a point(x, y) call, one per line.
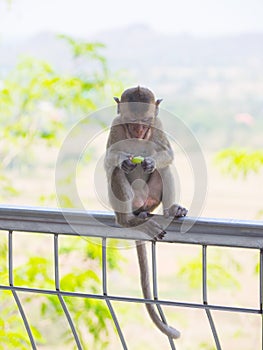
point(139, 47)
point(208, 81)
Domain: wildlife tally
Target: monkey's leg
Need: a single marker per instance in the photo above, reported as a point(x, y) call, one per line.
point(170, 208)
point(121, 196)
point(150, 194)
point(120, 191)
point(168, 189)
point(145, 283)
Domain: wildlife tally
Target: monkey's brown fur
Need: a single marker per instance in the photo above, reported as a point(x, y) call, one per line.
point(135, 190)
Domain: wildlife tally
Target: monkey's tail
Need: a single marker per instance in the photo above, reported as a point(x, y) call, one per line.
point(145, 283)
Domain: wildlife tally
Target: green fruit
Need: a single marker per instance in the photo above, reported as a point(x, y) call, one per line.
point(137, 160)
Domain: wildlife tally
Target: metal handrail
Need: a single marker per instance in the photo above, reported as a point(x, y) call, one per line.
point(201, 231)
point(204, 231)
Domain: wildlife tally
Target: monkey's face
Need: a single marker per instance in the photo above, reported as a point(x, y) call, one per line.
point(139, 124)
point(138, 130)
point(139, 118)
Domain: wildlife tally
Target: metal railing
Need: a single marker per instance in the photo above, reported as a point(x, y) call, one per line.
point(203, 232)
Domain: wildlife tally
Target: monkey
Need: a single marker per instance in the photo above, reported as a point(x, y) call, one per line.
point(137, 164)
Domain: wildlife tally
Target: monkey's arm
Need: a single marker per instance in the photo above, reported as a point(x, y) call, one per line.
point(114, 158)
point(115, 154)
point(163, 153)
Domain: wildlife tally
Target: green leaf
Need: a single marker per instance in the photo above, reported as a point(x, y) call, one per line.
point(238, 162)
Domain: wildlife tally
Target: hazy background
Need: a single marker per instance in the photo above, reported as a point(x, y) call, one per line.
point(81, 18)
point(205, 59)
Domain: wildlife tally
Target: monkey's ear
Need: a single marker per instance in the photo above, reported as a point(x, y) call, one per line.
point(158, 102)
point(117, 100)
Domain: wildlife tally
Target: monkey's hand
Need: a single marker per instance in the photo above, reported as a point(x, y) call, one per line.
point(148, 165)
point(127, 166)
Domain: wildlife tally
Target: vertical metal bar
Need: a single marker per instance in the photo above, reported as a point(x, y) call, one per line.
point(261, 292)
point(104, 287)
point(205, 300)
point(115, 320)
point(155, 290)
point(70, 322)
point(10, 258)
point(60, 298)
point(154, 271)
point(261, 280)
point(17, 300)
point(104, 266)
point(204, 270)
point(56, 262)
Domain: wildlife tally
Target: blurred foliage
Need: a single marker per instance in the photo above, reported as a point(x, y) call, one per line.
point(91, 317)
point(12, 330)
point(37, 106)
point(206, 346)
point(81, 49)
point(218, 271)
point(239, 162)
point(9, 2)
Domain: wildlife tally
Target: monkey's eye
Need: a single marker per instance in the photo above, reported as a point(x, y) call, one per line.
point(147, 121)
point(131, 120)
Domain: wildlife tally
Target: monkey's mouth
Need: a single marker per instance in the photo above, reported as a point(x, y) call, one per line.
point(138, 130)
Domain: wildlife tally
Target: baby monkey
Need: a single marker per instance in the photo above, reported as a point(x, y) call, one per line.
point(137, 164)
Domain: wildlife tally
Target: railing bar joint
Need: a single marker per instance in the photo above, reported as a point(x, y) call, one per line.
point(155, 290)
point(163, 318)
point(70, 322)
point(136, 300)
point(117, 325)
point(25, 321)
point(205, 298)
point(213, 328)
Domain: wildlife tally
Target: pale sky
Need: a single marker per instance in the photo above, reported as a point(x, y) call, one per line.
point(85, 17)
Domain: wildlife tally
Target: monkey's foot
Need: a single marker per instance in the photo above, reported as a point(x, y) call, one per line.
point(153, 229)
point(175, 210)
